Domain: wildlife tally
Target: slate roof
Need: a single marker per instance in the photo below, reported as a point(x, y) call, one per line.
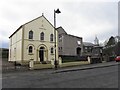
point(88, 44)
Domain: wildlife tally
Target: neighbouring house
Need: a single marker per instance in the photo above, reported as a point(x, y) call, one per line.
point(35, 41)
point(87, 48)
point(69, 45)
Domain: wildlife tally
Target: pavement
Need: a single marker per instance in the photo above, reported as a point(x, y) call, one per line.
point(65, 69)
point(101, 75)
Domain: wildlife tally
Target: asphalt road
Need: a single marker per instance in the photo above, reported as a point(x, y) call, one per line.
point(106, 77)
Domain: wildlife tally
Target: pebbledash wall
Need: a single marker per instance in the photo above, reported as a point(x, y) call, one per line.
point(69, 45)
point(33, 40)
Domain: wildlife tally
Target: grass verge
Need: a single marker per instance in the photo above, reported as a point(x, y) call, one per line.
point(74, 63)
point(69, 64)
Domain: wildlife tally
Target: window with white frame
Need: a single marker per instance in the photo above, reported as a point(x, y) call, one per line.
point(78, 42)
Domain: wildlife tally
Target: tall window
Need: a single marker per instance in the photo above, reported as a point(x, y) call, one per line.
point(41, 36)
point(30, 34)
point(30, 49)
point(51, 37)
point(51, 50)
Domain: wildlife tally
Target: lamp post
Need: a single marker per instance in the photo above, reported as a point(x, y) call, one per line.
point(55, 11)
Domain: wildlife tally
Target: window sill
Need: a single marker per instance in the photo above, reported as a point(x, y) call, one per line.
point(51, 41)
point(42, 41)
point(52, 54)
point(30, 54)
point(31, 40)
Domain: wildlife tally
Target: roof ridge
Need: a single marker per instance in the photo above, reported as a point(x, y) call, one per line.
point(31, 21)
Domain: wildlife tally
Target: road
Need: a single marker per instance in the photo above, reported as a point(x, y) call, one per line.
point(106, 77)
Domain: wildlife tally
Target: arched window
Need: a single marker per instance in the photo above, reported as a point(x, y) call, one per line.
point(30, 49)
point(30, 34)
point(51, 37)
point(51, 50)
point(41, 36)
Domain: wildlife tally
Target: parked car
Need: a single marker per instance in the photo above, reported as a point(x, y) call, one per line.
point(117, 59)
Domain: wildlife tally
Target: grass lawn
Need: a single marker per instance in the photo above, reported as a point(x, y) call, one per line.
point(68, 64)
point(42, 66)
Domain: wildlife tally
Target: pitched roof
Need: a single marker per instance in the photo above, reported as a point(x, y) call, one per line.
point(66, 32)
point(74, 36)
point(88, 44)
point(29, 22)
point(16, 31)
point(58, 29)
point(38, 18)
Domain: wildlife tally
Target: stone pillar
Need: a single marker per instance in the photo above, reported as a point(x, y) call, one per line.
point(31, 64)
point(60, 61)
point(52, 63)
point(89, 59)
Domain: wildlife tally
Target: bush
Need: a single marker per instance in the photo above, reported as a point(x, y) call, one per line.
point(95, 60)
point(73, 58)
point(111, 58)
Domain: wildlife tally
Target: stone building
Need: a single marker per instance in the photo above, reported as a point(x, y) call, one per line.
point(33, 40)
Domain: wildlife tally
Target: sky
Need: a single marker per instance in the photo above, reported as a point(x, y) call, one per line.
point(83, 18)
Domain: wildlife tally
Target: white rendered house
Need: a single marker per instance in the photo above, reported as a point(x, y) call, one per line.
point(33, 40)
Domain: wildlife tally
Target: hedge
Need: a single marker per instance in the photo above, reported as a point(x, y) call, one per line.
point(73, 58)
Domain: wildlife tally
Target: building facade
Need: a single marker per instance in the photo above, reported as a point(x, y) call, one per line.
point(87, 48)
point(69, 45)
point(33, 40)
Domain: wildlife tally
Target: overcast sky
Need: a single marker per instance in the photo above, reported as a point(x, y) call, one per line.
point(83, 18)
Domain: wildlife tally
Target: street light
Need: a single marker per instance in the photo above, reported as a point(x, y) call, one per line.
point(55, 11)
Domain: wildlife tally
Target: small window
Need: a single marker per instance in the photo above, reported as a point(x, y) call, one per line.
point(52, 50)
point(78, 42)
point(59, 48)
point(59, 36)
point(41, 36)
point(30, 34)
point(14, 52)
point(86, 48)
point(51, 37)
point(30, 49)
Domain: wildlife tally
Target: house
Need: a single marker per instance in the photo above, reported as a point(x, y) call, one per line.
point(69, 45)
point(33, 40)
point(87, 48)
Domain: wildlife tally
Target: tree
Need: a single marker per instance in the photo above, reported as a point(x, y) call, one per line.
point(111, 41)
point(117, 49)
point(110, 47)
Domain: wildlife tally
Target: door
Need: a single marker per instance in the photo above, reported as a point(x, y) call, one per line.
point(78, 51)
point(41, 54)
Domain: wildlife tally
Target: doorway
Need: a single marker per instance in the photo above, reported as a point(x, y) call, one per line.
point(78, 51)
point(41, 54)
